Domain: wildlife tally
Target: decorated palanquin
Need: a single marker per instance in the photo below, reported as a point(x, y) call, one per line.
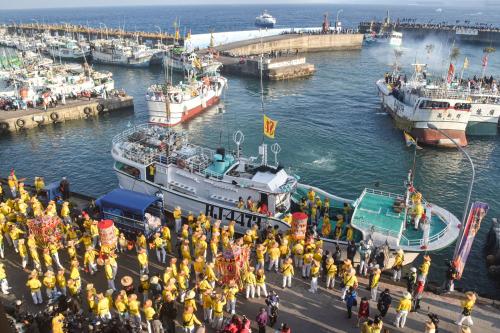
point(232, 263)
point(46, 229)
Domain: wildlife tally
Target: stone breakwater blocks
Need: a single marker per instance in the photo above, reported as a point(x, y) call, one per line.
point(13, 121)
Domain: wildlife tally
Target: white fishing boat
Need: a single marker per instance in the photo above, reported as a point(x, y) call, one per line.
point(67, 50)
point(160, 161)
point(119, 53)
point(265, 20)
point(396, 39)
point(169, 105)
point(413, 104)
point(178, 59)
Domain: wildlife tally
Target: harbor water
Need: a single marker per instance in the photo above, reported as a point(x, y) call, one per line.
point(331, 129)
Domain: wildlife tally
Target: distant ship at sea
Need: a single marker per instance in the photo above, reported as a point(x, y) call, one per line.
point(265, 20)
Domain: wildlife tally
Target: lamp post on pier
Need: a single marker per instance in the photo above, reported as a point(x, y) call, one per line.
point(471, 184)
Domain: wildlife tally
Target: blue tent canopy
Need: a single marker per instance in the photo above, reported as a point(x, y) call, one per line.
point(126, 200)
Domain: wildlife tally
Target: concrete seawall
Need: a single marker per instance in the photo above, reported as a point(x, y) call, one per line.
point(293, 43)
point(12, 121)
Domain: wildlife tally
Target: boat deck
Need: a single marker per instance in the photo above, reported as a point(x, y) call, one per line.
point(377, 210)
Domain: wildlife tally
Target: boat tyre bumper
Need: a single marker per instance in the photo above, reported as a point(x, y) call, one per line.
point(100, 108)
point(54, 116)
point(20, 123)
point(87, 110)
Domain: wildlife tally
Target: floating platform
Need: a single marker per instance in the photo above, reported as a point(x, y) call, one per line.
point(13, 121)
point(274, 69)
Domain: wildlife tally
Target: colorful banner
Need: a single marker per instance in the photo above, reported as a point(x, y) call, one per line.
point(476, 215)
point(269, 127)
point(451, 73)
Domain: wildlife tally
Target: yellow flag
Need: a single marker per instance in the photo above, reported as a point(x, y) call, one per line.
point(269, 127)
point(188, 34)
point(466, 63)
point(177, 34)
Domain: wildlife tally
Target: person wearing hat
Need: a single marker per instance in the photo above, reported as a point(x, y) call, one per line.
point(189, 320)
point(4, 284)
point(49, 281)
point(218, 308)
point(397, 267)
point(183, 284)
point(149, 313)
point(167, 238)
point(287, 271)
point(144, 286)
point(411, 280)
point(61, 281)
point(402, 310)
point(315, 271)
point(331, 272)
point(103, 307)
point(467, 304)
point(74, 272)
point(207, 305)
point(177, 213)
point(35, 286)
point(89, 260)
point(260, 279)
point(210, 274)
point(274, 257)
point(65, 213)
point(374, 281)
point(133, 309)
point(230, 291)
point(23, 253)
point(349, 280)
point(141, 242)
point(142, 257)
point(307, 262)
point(121, 305)
point(58, 323)
point(250, 282)
point(108, 271)
point(161, 254)
point(423, 270)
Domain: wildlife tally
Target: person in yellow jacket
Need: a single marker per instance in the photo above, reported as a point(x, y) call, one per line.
point(144, 286)
point(103, 307)
point(423, 270)
point(230, 291)
point(23, 253)
point(402, 310)
point(149, 313)
point(189, 320)
point(331, 272)
point(61, 281)
point(12, 183)
point(374, 281)
point(349, 280)
point(66, 213)
point(467, 304)
point(89, 260)
point(94, 233)
point(58, 323)
point(250, 282)
point(218, 308)
point(298, 254)
point(121, 305)
point(4, 284)
point(141, 243)
point(287, 271)
point(73, 288)
point(260, 279)
point(167, 238)
point(35, 287)
point(39, 184)
point(15, 233)
point(182, 283)
point(133, 309)
point(74, 272)
point(315, 269)
point(177, 213)
point(274, 256)
point(161, 254)
point(306, 267)
point(49, 281)
point(210, 274)
point(397, 267)
point(142, 257)
point(207, 303)
point(108, 271)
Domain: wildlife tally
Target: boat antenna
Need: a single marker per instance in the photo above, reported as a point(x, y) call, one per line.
point(261, 79)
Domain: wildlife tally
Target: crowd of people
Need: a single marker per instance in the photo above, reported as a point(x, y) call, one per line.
point(192, 286)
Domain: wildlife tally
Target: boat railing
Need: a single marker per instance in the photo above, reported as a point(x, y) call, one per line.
point(324, 193)
point(419, 242)
point(384, 193)
point(369, 227)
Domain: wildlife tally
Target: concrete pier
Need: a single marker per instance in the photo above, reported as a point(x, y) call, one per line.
point(13, 121)
point(293, 43)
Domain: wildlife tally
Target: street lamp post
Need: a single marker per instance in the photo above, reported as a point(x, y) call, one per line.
point(467, 203)
point(160, 33)
point(337, 19)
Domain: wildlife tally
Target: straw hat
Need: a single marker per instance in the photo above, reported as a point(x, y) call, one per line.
point(413, 269)
point(190, 294)
point(427, 257)
point(148, 303)
point(126, 281)
point(407, 295)
point(289, 260)
point(132, 297)
point(347, 262)
point(89, 286)
point(109, 292)
point(471, 295)
point(144, 277)
point(154, 279)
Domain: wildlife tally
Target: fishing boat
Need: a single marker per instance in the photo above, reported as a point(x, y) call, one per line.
point(169, 105)
point(180, 60)
point(414, 104)
point(161, 161)
point(67, 50)
point(265, 20)
point(396, 39)
point(117, 52)
point(484, 113)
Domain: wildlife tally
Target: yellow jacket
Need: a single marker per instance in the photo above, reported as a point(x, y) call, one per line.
point(133, 307)
point(404, 305)
point(103, 306)
point(424, 268)
point(143, 259)
point(189, 320)
point(149, 312)
point(58, 324)
point(34, 284)
point(49, 282)
point(287, 269)
point(350, 281)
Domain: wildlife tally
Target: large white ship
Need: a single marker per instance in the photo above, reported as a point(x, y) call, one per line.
point(265, 20)
point(414, 104)
point(169, 105)
point(159, 161)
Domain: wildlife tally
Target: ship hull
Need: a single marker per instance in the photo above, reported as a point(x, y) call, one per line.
point(449, 121)
point(483, 119)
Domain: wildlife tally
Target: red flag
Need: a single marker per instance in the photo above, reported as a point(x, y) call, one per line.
point(485, 60)
point(451, 72)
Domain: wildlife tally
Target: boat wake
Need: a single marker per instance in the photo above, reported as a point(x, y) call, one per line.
point(326, 163)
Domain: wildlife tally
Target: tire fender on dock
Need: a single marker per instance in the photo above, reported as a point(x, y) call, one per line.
point(20, 123)
point(87, 110)
point(54, 116)
point(100, 108)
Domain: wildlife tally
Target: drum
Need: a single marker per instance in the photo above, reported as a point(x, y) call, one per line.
point(107, 233)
